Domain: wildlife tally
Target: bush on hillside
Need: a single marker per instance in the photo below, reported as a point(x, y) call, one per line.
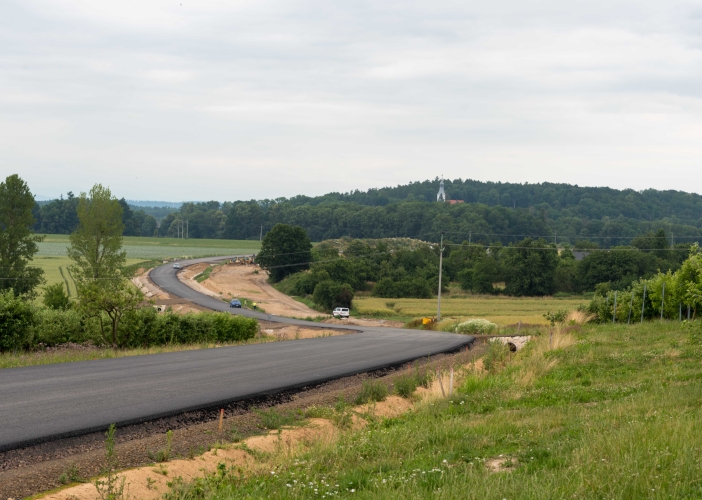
point(417, 288)
point(329, 294)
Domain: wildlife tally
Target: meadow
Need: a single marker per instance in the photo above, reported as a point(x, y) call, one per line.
point(56, 271)
point(611, 412)
point(54, 245)
point(501, 310)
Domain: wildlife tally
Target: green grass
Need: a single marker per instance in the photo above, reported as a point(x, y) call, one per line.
point(615, 415)
point(501, 310)
point(56, 271)
point(54, 245)
point(204, 274)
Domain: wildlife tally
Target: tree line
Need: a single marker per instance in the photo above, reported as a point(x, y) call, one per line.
point(60, 216)
point(529, 267)
point(492, 212)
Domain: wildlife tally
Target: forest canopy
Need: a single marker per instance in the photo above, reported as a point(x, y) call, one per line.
point(491, 212)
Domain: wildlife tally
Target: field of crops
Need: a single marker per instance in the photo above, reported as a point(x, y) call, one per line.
point(498, 309)
point(56, 271)
point(54, 245)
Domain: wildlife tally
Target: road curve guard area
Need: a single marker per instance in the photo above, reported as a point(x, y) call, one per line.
point(41, 403)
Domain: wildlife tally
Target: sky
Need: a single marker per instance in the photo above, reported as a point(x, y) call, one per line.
point(238, 99)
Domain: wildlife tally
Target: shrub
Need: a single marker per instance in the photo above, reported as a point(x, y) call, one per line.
point(417, 288)
point(556, 317)
point(372, 391)
point(385, 288)
point(55, 297)
point(144, 327)
point(17, 321)
point(476, 326)
point(54, 327)
point(405, 386)
point(229, 328)
point(329, 294)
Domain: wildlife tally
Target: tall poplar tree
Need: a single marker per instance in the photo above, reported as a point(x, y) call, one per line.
point(96, 245)
point(17, 242)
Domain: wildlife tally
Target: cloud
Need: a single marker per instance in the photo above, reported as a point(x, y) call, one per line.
point(231, 100)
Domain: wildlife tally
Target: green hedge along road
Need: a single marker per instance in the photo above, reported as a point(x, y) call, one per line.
point(41, 403)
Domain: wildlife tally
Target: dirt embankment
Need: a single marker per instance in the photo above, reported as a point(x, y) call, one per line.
point(245, 283)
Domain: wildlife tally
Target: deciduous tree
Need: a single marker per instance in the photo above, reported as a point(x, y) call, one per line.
point(96, 246)
point(285, 250)
point(530, 266)
point(17, 242)
point(114, 298)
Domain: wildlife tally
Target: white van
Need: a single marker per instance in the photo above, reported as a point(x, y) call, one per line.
point(341, 312)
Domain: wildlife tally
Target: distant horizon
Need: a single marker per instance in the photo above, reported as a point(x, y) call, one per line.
point(177, 204)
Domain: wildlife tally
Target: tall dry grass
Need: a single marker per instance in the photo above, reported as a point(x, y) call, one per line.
point(577, 317)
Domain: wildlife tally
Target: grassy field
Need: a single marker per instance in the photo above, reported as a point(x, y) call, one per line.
point(498, 309)
point(56, 271)
point(52, 253)
point(612, 412)
point(54, 245)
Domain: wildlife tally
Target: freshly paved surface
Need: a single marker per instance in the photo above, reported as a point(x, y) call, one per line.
point(43, 402)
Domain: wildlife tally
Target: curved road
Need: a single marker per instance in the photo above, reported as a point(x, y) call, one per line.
point(41, 403)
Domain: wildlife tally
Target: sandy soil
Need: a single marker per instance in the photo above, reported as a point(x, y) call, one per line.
point(241, 282)
point(296, 332)
point(150, 482)
point(366, 322)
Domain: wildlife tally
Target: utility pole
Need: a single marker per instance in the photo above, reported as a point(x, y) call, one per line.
point(260, 237)
point(441, 264)
point(187, 226)
point(470, 236)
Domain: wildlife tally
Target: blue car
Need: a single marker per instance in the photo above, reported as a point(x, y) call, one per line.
point(235, 303)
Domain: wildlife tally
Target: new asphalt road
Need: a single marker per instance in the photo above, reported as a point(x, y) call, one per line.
point(40, 403)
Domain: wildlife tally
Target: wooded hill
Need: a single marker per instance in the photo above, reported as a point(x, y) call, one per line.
point(492, 212)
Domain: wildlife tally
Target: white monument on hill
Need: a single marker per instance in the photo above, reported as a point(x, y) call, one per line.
point(442, 194)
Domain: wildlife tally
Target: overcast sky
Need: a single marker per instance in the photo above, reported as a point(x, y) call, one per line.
point(197, 100)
